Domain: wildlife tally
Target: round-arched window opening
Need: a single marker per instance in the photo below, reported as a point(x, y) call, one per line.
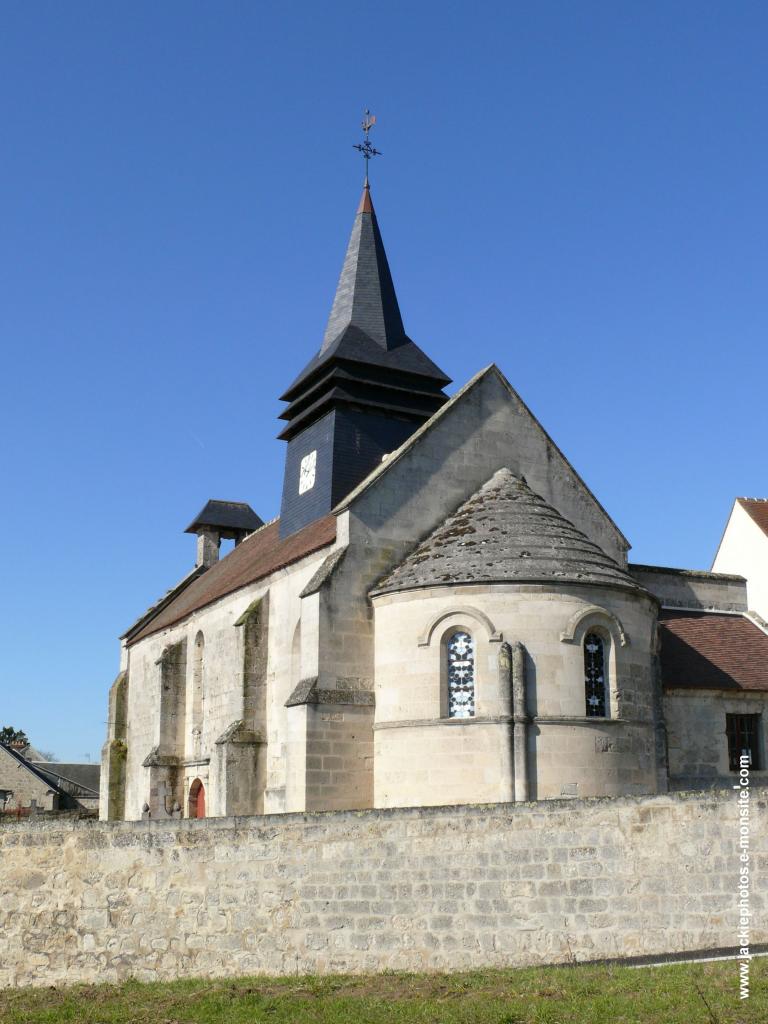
point(460, 652)
point(196, 800)
point(594, 676)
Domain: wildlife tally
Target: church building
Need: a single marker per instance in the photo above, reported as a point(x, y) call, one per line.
point(443, 613)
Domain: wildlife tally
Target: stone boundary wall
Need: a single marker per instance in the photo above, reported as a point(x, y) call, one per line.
point(412, 889)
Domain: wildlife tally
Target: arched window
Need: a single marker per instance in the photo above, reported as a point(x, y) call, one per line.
point(296, 655)
point(196, 805)
point(460, 652)
point(594, 676)
point(197, 681)
point(195, 699)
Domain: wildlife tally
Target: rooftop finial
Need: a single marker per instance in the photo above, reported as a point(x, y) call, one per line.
point(365, 147)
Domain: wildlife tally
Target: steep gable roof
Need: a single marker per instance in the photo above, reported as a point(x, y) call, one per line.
point(78, 779)
point(505, 533)
point(257, 557)
point(757, 509)
point(712, 651)
point(41, 776)
point(489, 371)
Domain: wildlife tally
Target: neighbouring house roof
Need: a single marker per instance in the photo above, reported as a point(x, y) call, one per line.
point(712, 651)
point(72, 777)
point(757, 509)
point(231, 515)
point(505, 533)
point(34, 770)
point(30, 753)
point(254, 559)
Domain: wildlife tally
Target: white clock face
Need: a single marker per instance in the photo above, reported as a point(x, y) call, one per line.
point(307, 472)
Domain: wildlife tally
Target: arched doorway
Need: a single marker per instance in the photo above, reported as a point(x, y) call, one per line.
point(196, 800)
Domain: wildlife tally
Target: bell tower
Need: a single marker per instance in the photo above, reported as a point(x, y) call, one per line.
point(364, 393)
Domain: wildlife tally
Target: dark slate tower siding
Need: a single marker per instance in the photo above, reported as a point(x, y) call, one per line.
point(301, 509)
point(364, 393)
point(349, 443)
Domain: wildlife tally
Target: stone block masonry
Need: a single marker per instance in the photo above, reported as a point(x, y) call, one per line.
point(407, 889)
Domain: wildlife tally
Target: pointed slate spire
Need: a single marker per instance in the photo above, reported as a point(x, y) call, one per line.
point(365, 295)
point(366, 391)
point(365, 326)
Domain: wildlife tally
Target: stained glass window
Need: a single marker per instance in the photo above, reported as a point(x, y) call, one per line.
point(461, 675)
point(594, 675)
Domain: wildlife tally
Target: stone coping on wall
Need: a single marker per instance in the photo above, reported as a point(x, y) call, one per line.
point(535, 807)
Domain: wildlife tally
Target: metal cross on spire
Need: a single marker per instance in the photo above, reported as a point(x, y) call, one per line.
point(365, 147)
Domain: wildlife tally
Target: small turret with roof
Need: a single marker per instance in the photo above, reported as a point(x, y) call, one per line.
point(364, 393)
point(218, 521)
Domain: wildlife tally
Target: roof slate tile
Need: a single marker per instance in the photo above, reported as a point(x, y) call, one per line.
point(757, 508)
point(712, 651)
point(257, 557)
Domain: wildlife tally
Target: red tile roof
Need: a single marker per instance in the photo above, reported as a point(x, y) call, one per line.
point(712, 651)
point(256, 558)
point(757, 509)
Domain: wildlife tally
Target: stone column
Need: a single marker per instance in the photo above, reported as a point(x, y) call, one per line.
point(512, 673)
point(114, 753)
point(520, 715)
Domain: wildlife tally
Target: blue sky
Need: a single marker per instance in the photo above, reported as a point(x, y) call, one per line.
point(576, 191)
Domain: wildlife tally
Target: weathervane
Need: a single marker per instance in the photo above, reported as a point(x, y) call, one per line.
point(365, 147)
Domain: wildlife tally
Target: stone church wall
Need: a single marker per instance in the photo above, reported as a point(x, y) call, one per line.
point(486, 428)
point(696, 737)
point(230, 695)
point(688, 588)
point(423, 757)
point(420, 889)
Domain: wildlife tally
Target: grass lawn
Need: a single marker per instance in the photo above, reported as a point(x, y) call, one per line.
point(679, 994)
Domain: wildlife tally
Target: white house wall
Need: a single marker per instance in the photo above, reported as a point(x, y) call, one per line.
point(744, 550)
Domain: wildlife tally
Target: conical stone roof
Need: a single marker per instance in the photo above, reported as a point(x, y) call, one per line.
point(505, 533)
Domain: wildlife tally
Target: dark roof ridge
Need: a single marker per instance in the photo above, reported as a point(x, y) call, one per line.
point(35, 771)
point(60, 775)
